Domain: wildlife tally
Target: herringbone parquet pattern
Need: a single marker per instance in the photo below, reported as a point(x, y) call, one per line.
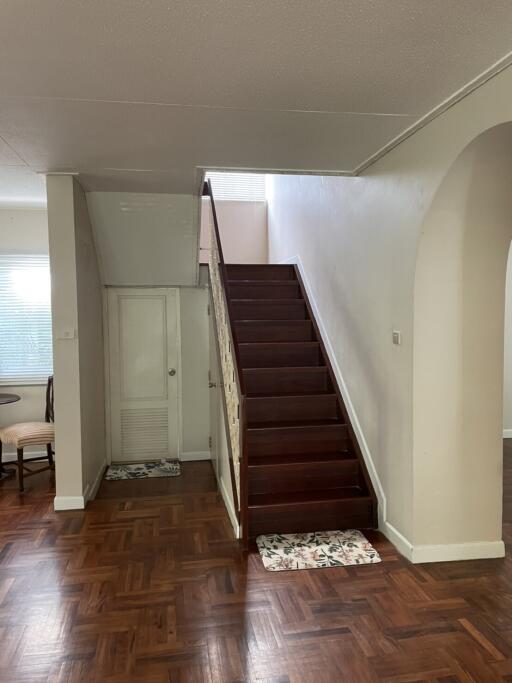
point(148, 585)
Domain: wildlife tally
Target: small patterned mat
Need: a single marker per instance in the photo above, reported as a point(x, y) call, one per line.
point(281, 552)
point(160, 468)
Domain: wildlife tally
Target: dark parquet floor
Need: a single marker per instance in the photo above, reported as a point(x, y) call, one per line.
point(148, 585)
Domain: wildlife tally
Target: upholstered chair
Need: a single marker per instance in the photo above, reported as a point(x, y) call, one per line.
point(26, 434)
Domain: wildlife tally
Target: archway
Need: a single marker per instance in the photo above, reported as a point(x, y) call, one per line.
point(458, 355)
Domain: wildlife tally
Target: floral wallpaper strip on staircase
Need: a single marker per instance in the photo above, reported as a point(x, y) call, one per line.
point(228, 364)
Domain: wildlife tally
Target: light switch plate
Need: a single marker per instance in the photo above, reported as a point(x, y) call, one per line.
point(68, 333)
point(397, 337)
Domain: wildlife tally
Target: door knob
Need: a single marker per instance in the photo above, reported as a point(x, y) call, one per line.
point(212, 384)
point(172, 372)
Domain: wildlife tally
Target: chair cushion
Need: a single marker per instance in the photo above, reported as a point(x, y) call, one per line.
point(28, 434)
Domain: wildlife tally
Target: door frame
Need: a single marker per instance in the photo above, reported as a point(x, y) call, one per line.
point(106, 360)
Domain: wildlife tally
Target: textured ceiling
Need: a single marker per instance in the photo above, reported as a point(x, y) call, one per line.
point(136, 94)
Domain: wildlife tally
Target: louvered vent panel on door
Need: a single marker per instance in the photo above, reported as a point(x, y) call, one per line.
point(144, 433)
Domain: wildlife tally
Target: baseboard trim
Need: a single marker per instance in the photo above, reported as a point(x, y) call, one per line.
point(507, 433)
point(228, 502)
point(451, 552)
point(191, 456)
point(91, 492)
point(401, 543)
point(68, 503)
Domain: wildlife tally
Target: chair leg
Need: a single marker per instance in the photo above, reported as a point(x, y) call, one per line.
point(4, 474)
point(20, 469)
point(50, 455)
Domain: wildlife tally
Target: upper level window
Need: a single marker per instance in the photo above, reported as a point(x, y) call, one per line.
point(238, 186)
point(25, 319)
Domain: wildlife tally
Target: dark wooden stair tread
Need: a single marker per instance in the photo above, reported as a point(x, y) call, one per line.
point(292, 395)
point(272, 321)
point(300, 380)
point(292, 423)
point(269, 302)
point(286, 394)
point(268, 309)
point(293, 344)
point(263, 283)
point(284, 460)
point(260, 271)
point(307, 497)
point(294, 408)
point(276, 330)
point(280, 354)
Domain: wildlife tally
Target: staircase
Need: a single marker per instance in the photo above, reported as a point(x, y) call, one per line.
point(295, 463)
point(303, 467)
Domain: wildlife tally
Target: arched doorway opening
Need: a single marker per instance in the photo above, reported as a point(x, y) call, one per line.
point(458, 354)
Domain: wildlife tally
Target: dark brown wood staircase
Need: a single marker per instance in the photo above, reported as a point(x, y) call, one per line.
point(304, 468)
point(301, 468)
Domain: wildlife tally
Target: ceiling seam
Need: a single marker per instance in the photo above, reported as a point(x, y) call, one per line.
point(14, 152)
point(175, 105)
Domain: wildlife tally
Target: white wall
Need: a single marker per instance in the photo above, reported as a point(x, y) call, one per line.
point(77, 345)
point(507, 382)
point(91, 349)
point(358, 240)
point(23, 231)
point(145, 239)
point(243, 231)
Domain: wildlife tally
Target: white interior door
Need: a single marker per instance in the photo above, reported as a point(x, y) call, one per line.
point(144, 369)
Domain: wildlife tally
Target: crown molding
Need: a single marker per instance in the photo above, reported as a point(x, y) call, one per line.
point(446, 104)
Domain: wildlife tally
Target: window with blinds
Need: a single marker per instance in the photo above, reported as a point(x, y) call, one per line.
point(25, 319)
point(238, 186)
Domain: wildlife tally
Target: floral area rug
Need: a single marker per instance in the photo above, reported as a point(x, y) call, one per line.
point(281, 552)
point(160, 468)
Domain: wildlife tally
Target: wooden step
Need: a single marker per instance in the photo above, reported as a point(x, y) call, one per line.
point(272, 409)
point(282, 381)
point(264, 289)
point(319, 437)
point(260, 272)
point(284, 476)
point(269, 309)
point(279, 354)
point(274, 330)
point(327, 510)
point(301, 458)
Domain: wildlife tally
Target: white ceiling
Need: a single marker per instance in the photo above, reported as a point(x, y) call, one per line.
point(135, 95)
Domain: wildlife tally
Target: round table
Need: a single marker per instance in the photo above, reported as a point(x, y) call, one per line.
point(9, 398)
point(4, 399)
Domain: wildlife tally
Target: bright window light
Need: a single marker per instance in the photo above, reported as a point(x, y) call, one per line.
point(25, 319)
point(238, 186)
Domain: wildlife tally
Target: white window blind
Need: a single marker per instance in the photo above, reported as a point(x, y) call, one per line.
point(238, 186)
point(25, 319)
